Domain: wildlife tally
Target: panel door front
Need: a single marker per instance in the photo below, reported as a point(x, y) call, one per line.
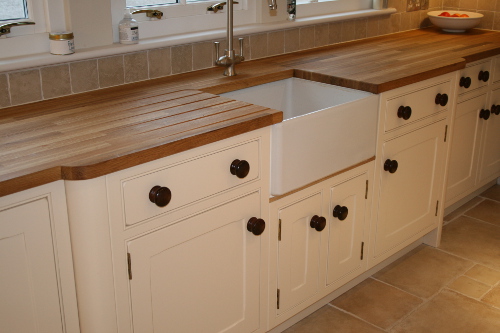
point(199, 275)
point(408, 197)
point(298, 252)
point(464, 149)
point(490, 152)
point(29, 298)
point(346, 233)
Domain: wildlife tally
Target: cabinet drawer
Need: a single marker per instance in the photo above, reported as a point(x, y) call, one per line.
point(422, 103)
point(496, 69)
point(188, 181)
point(478, 74)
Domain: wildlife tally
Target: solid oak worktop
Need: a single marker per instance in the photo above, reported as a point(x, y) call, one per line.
point(96, 133)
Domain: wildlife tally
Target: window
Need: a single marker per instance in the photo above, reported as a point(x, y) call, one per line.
point(306, 8)
point(185, 16)
point(13, 10)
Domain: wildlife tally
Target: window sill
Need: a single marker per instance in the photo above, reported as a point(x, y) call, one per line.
point(45, 59)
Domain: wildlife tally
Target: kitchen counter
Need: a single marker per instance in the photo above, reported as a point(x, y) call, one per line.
point(96, 133)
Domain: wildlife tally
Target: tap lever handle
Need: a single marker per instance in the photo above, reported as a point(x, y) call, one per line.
point(216, 44)
point(241, 46)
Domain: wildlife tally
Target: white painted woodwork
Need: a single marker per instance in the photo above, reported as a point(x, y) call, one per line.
point(495, 77)
point(464, 154)
point(472, 70)
point(408, 197)
point(490, 147)
point(422, 103)
point(37, 292)
point(299, 252)
point(199, 275)
point(207, 174)
point(345, 237)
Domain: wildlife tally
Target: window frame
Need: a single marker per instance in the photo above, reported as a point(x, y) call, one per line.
point(307, 8)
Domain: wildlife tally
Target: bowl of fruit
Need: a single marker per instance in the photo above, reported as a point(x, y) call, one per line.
point(454, 20)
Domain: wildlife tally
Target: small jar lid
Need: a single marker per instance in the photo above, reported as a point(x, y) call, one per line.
point(65, 35)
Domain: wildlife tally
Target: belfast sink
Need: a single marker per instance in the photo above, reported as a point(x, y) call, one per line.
point(325, 129)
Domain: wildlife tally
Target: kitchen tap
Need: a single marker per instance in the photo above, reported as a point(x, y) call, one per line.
point(230, 58)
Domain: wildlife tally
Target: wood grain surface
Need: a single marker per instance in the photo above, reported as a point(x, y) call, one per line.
point(95, 133)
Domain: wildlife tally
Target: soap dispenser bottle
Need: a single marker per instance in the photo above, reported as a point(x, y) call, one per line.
point(129, 29)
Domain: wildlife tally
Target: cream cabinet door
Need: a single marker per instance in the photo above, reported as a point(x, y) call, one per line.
point(346, 228)
point(464, 154)
point(490, 151)
point(298, 252)
point(199, 275)
point(408, 197)
point(29, 295)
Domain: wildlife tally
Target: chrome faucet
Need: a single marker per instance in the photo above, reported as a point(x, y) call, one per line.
point(230, 58)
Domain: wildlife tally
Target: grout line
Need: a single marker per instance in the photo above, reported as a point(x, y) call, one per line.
point(357, 317)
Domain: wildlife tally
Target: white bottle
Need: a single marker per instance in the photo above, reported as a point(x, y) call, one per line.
point(129, 29)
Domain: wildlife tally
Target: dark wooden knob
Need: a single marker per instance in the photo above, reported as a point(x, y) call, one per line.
point(441, 99)
point(495, 109)
point(240, 168)
point(256, 226)
point(465, 82)
point(340, 212)
point(404, 112)
point(484, 76)
point(391, 165)
point(484, 114)
point(160, 195)
point(318, 223)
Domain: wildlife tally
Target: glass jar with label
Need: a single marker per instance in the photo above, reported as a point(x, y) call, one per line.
point(62, 43)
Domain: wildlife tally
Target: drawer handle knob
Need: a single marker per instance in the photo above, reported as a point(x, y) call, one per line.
point(160, 195)
point(404, 112)
point(465, 82)
point(318, 223)
point(340, 212)
point(240, 168)
point(495, 109)
point(484, 114)
point(256, 226)
point(391, 165)
point(484, 76)
point(442, 99)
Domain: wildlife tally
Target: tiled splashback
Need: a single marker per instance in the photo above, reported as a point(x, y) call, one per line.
point(25, 86)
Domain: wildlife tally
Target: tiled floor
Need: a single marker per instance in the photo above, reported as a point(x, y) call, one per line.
point(455, 288)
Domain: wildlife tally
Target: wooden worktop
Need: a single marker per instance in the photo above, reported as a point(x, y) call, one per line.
point(93, 134)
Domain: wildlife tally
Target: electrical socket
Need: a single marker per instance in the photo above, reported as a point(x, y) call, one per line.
point(413, 5)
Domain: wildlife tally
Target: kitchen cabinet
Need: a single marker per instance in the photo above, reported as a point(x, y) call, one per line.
point(36, 280)
point(183, 241)
point(475, 155)
point(317, 239)
point(410, 165)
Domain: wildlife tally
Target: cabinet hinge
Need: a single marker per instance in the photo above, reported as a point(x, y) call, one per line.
point(445, 133)
point(437, 207)
point(366, 190)
point(278, 299)
point(279, 230)
point(129, 264)
point(362, 249)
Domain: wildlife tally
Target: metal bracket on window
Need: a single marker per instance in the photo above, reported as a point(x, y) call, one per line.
point(218, 6)
point(150, 13)
point(5, 28)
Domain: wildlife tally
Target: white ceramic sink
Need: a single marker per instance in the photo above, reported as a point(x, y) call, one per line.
point(325, 129)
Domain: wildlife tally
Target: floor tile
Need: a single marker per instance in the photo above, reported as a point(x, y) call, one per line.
point(469, 287)
point(493, 297)
point(474, 240)
point(492, 193)
point(424, 271)
point(331, 320)
point(484, 274)
point(377, 303)
point(462, 209)
point(450, 312)
point(488, 211)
